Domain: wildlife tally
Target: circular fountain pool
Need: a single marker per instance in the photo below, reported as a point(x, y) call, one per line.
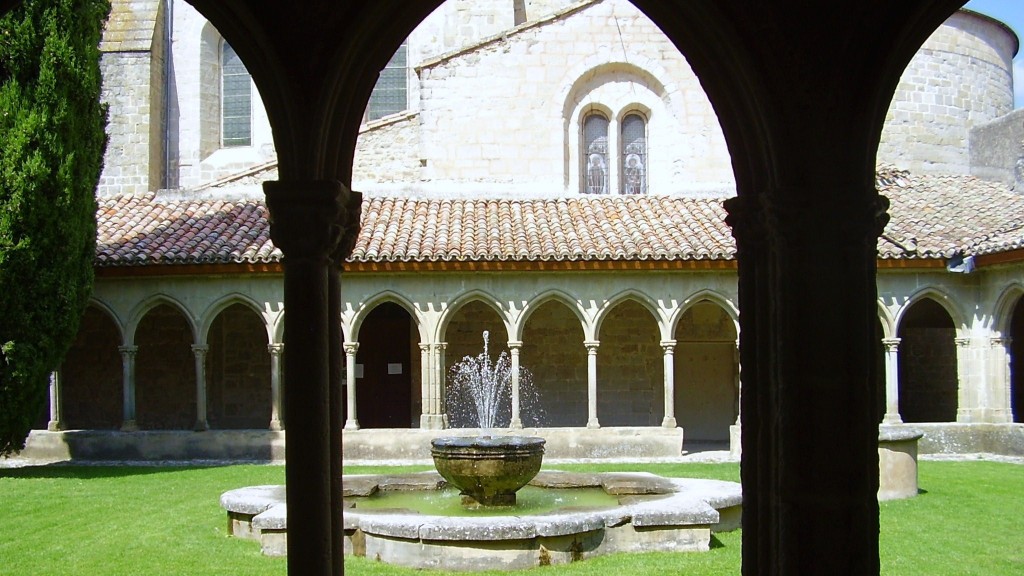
point(641, 512)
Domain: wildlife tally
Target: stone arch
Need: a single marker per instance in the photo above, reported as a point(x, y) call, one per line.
point(485, 298)
point(227, 301)
point(148, 304)
point(561, 297)
point(928, 374)
point(941, 298)
point(706, 370)
point(704, 295)
point(388, 375)
point(630, 365)
point(165, 376)
point(643, 300)
point(370, 303)
point(1010, 318)
point(91, 376)
point(1002, 314)
point(238, 368)
point(886, 321)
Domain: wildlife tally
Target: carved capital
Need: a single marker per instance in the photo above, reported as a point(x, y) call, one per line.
point(592, 346)
point(351, 348)
point(200, 350)
point(424, 347)
point(514, 345)
point(350, 224)
point(275, 349)
point(962, 342)
point(305, 217)
point(668, 346)
point(1000, 341)
point(891, 344)
point(128, 351)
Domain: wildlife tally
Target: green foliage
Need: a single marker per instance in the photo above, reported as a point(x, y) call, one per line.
point(52, 139)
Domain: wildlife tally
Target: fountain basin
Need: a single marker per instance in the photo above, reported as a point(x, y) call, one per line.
point(488, 470)
point(652, 513)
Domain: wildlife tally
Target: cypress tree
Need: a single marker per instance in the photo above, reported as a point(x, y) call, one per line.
point(52, 139)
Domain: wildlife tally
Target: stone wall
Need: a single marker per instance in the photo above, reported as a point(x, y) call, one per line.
point(238, 371)
point(928, 365)
point(630, 369)
point(706, 398)
point(960, 78)
point(165, 376)
point(553, 351)
point(388, 151)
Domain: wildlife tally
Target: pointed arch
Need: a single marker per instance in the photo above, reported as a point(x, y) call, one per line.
point(632, 294)
point(366, 307)
point(940, 297)
point(705, 295)
point(1011, 297)
point(561, 297)
point(225, 302)
point(144, 307)
point(886, 320)
point(465, 298)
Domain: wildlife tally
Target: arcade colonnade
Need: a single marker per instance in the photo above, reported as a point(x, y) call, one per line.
point(603, 349)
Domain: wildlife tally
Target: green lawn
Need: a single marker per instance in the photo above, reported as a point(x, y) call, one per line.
point(64, 520)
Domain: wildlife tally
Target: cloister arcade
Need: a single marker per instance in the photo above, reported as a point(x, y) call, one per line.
point(631, 356)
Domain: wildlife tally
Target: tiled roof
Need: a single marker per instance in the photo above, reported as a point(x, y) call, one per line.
point(931, 217)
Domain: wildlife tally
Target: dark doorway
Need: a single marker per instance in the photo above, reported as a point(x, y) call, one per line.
point(1017, 361)
point(384, 371)
point(928, 366)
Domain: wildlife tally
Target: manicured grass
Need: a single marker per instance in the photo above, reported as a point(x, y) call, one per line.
point(63, 520)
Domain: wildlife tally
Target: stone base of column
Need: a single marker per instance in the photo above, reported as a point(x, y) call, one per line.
point(735, 445)
point(201, 426)
point(669, 422)
point(593, 423)
point(276, 426)
point(431, 421)
point(352, 425)
point(892, 419)
point(129, 426)
point(54, 426)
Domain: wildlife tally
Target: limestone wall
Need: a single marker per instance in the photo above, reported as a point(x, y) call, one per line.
point(961, 77)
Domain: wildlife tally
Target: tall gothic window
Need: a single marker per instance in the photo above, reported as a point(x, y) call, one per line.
point(633, 155)
point(236, 99)
point(595, 154)
point(390, 94)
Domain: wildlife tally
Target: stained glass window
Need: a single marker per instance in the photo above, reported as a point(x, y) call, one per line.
point(634, 154)
point(390, 94)
point(595, 154)
point(236, 99)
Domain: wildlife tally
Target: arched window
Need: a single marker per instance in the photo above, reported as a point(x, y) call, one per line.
point(236, 99)
point(390, 94)
point(595, 154)
point(633, 154)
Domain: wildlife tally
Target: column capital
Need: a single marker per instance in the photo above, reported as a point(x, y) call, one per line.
point(200, 349)
point(891, 344)
point(275, 349)
point(962, 342)
point(307, 217)
point(440, 346)
point(1000, 341)
point(515, 345)
point(351, 348)
point(668, 346)
point(592, 345)
point(821, 215)
point(128, 350)
point(349, 222)
point(424, 347)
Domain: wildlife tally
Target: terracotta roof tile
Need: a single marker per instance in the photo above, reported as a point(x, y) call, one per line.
point(931, 217)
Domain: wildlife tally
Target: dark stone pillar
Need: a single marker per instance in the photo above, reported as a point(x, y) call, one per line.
point(304, 224)
point(807, 299)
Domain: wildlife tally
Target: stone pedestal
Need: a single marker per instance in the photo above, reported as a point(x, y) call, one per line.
point(897, 461)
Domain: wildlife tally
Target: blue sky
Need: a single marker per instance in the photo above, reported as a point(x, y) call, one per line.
point(1010, 12)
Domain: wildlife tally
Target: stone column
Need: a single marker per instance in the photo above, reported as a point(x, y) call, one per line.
point(56, 422)
point(513, 350)
point(999, 359)
point(807, 292)
point(275, 386)
point(305, 224)
point(592, 346)
point(430, 391)
point(439, 375)
point(669, 348)
point(736, 430)
point(199, 351)
point(352, 423)
point(966, 394)
point(892, 381)
point(128, 385)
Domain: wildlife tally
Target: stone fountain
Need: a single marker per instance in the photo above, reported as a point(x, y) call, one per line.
point(488, 469)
